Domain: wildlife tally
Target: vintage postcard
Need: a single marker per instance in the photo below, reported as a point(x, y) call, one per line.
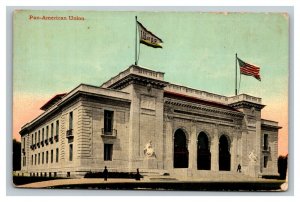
point(150, 100)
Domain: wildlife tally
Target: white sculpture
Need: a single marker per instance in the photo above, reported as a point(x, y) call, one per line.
point(148, 150)
point(252, 157)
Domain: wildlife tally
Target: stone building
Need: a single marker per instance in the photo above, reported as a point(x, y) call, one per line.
point(138, 120)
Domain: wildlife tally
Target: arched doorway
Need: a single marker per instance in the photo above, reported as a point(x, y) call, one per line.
point(203, 152)
point(181, 153)
point(224, 153)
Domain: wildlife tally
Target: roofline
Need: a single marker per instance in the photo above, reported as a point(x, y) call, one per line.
point(270, 120)
point(214, 104)
point(128, 69)
point(55, 96)
point(74, 92)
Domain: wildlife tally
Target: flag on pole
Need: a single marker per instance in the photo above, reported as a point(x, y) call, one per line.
point(148, 38)
point(249, 69)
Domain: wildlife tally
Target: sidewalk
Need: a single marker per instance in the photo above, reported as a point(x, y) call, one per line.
point(100, 181)
point(53, 183)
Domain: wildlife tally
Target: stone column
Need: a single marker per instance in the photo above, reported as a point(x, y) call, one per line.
point(239, 149)
point(169, 144)
point(214, 149)
point(233, 163)
point(193, 148)
point(258, 136)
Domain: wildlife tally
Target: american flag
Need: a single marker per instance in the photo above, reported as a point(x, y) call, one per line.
point(248, 69)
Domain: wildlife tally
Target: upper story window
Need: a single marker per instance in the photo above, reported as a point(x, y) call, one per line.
point(70, 120)
point(39, 137)
point(35, 138)
point(32, 139)
point(47, 132)
point(266, 141)
point(108, 121)
point(57, 127)
point(70, 131)
point(52, 128)
point(57, 130)
point(43, 134)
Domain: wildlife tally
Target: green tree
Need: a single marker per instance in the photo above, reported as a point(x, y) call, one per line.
point(16, 155)
point(282, 166)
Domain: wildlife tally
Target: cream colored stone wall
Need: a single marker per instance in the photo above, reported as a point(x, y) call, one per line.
point(142, 114)
point(271, 152)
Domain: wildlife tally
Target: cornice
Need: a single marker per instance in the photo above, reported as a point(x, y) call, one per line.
point(58, 108)
point(246, 104)
point(270, 128)
point(185, 104)
point(140, 80)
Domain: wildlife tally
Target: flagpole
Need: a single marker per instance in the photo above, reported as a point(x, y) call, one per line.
point(236, 74)
point(135, 40)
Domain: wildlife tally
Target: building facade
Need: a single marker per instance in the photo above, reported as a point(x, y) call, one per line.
point(138, 120)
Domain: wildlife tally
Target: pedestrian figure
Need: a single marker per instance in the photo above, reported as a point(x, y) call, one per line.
point(137, 176)
point(105, 173)
point(239, 168)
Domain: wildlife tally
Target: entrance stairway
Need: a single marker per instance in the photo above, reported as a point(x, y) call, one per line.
point(157, 176)
point(210, 176)
point(196, 175)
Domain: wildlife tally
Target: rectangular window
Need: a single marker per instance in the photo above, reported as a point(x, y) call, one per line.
point(32, 139)
point(52, 129)
point(47, 131)
point(31, 159)
point(56, 155)
point(43, 134)
point(108, 121)
point(266, 143)
point(39, 156)
point(70, 152)
point(35, 138)
point(35, 159)
point(39, 137)
point(108, 152)
point(43, 156)
point(265, 161)
point(57, 128)
point(71, 120)
point(46, 156)
point(51, 155)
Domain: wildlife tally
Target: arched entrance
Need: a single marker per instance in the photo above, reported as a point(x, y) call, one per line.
point(181, 153)
point(224, 153)
point(203, 152)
